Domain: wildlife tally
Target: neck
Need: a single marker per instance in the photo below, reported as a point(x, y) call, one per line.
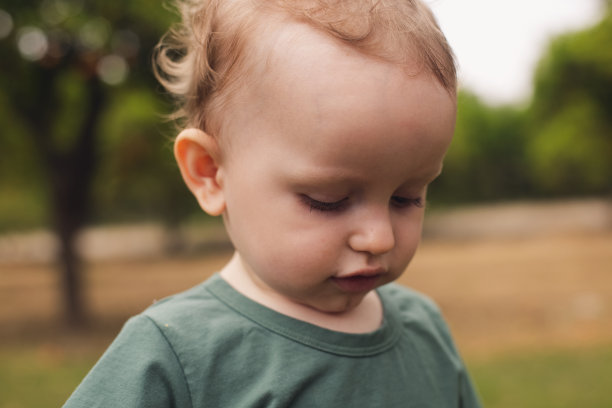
point(363, 318)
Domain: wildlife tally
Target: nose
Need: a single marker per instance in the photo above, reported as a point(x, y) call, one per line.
point(374, 234)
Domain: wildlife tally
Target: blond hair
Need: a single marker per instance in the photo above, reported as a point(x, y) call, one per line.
point(201, 60)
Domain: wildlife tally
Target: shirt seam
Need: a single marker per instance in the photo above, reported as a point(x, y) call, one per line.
point(365, 351)
point(178, 360)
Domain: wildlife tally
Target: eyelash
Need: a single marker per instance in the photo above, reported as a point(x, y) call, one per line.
point(403, 202)
point(337, 206)
point(324, 206)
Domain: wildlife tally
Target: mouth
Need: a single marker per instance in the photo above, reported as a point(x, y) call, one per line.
point(363, 281)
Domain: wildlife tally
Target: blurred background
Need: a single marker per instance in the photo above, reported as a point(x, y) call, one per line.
point(95, 223)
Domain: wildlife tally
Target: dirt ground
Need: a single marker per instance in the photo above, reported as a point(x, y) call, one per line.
point(499, 291)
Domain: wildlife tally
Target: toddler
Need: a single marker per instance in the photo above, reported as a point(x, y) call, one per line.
point(313, 128)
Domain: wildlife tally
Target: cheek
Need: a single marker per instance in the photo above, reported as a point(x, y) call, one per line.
point(279, 233)
point(306, 247)
point(299, 257)
point(408, 237)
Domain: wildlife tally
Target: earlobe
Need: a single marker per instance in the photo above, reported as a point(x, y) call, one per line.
point(198, 158)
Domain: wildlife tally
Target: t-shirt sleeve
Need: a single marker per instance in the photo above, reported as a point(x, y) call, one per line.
point(139, 369)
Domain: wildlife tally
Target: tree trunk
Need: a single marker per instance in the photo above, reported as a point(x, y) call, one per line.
point(71, 174)
point(70, 265)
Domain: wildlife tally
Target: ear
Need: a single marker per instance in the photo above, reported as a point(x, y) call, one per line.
point(198, 156)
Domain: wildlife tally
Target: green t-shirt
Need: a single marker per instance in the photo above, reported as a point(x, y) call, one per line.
point(212, 347)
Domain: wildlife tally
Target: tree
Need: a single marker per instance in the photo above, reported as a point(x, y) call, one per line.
point(560, 145)
point(486, 159)
point(65, 63)
point(571, 114)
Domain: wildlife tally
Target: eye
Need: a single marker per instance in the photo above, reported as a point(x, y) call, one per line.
point(324, 206)
point(403, 202)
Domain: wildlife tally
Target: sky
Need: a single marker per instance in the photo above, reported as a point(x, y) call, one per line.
point(499, 42)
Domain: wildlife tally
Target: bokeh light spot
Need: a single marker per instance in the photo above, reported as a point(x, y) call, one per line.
point(112, 69)
point(32, 43)
point(6, 24)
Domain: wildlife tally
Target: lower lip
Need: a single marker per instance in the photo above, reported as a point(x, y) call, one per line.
point(357, 283)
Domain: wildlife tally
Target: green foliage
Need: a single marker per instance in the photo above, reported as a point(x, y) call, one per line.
point(571, 152)
point(570, 148)
point(486, 158)
point(70, 93)
point(20, 165)
point(24, 208)
point(575, 65)
point(22, 191)
point(558, 146)
point(139, 179)
point(44, 104)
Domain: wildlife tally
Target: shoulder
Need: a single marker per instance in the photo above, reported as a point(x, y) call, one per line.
point(194, 314)
point(169, 325)
point(182, 307)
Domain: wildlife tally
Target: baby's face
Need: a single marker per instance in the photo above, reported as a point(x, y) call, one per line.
point(331, 154)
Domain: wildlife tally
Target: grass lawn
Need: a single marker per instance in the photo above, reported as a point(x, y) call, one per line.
point(558, 378)
point(39, 377)
point(42, 377)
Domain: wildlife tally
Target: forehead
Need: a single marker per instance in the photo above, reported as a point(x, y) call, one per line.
point(310, 92)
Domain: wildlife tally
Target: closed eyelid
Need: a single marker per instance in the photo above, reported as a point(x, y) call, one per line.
point(402, 202)
point(324, 206)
